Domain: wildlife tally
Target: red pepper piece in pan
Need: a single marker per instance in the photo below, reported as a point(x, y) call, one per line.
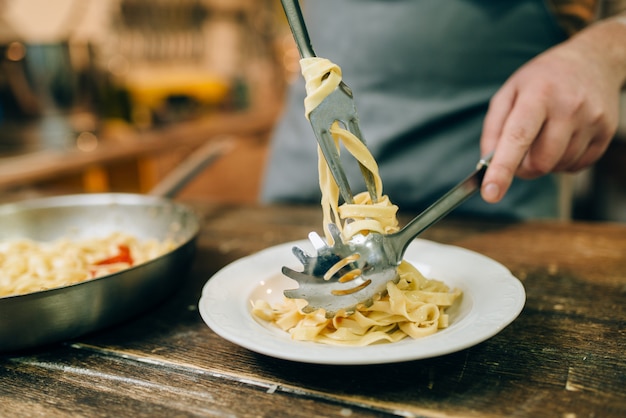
point(122, 257)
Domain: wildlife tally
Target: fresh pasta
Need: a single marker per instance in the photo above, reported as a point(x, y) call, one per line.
point(414, 307)
point(28, 266)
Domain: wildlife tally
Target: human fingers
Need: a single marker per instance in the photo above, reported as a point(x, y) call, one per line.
point(555, 140)
point(577, 147)
point(597, 147)
point(500, 106)
point(520, 129)
point(594, 131)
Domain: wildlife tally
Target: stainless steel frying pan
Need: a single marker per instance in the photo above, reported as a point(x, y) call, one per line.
point(67, 312)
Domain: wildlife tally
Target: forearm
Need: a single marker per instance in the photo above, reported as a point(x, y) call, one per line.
point(605, 41)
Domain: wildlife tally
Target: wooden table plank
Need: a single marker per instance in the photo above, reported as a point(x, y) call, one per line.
point(88, 383)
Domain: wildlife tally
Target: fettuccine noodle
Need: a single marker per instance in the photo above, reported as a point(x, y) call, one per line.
point(414, 307)
point(29, 266)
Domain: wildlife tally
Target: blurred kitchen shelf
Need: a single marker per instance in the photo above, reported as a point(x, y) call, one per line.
point(131, 161)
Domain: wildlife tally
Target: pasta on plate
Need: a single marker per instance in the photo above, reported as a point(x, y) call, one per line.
point(414, 307)
point(29, 266)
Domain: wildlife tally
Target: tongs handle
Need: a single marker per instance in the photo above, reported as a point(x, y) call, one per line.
point(339, 104)
point(298, 28)
point(453, 198)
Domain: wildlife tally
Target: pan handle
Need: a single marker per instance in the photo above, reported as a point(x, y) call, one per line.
point(191, 166)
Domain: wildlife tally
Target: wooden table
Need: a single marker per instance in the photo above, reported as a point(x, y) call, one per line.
point(564, 356)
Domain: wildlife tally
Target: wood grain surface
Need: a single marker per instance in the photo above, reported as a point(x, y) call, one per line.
point(562, 357)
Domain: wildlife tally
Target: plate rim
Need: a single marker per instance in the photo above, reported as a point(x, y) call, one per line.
point(270, 342)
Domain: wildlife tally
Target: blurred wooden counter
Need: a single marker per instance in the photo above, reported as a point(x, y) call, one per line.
point(126, 160)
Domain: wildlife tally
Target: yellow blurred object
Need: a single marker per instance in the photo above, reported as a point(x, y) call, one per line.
point(152, 89)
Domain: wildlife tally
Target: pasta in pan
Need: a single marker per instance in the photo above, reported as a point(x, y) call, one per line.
point(414, 307)
point(28, 266)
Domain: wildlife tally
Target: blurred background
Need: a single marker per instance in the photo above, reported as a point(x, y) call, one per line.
point(110, 95)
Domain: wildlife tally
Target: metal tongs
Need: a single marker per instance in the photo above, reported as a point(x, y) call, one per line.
point(347, 275)
point(336, 107)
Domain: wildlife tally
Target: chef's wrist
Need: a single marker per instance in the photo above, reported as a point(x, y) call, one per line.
point(608, 38)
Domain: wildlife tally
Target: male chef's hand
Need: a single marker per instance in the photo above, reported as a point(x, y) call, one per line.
point(558, 112)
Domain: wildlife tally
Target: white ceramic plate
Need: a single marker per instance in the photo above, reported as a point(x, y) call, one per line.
point(492, 299)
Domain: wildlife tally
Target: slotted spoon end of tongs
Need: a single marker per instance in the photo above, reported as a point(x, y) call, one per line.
point(334, 300)
point(337, 279)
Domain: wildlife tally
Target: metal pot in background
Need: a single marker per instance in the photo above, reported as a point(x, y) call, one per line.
point(46, 95)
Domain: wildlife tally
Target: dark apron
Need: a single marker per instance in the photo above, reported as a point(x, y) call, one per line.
point(422, 72)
